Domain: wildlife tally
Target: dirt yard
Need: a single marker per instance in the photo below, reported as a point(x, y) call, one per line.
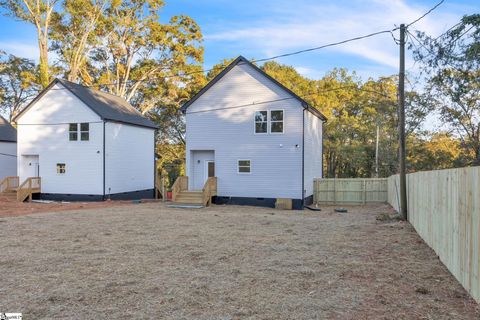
point(147, 261)
point(14, 208)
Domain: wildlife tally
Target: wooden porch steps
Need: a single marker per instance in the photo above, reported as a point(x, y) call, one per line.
point(182, 196)
point(10, 190)
point(190, 197)
point(10, 196)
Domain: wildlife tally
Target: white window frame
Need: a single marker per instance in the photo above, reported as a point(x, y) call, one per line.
point(238, 166)
point(270, 121)
point(59, 168)
point(75, 132)
point(255, 122)
point(80, 131)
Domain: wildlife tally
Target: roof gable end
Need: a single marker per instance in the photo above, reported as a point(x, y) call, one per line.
point(241, 59)
point(107, 106)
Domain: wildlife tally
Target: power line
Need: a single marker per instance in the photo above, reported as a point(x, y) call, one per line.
point(290, 98)
point(252, 61)
point(273, 57)
point(425, 14)
point(7, 155)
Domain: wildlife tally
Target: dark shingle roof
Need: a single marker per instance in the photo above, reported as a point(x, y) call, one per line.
point(241, 59)
point(108, 107)
point(7, 132)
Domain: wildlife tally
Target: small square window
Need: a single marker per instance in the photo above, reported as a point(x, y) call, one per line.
point(244, 166)
point(60, 168)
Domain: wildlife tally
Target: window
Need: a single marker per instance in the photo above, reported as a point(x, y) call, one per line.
point(261, 121)
point(84, 134)
point(61, 168)
point(276, 121)
point(243, 166)
point(73, 131)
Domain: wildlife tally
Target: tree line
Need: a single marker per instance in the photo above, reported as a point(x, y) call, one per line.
point(126, 48)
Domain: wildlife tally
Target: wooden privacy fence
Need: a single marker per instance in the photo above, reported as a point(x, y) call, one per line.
point(444, 208)
point(349, 191)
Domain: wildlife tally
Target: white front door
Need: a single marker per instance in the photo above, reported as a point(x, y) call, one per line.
point(202, 165)
point(31, 166)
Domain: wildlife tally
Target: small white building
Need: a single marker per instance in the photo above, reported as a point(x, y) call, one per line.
point(8, 149)
point(86, 144)
point(260, 140)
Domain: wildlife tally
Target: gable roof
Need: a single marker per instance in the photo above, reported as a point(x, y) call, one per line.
point(7, 132)
point(107, 106)
point(241, 59)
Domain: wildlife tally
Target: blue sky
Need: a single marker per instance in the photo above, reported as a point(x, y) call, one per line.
point(259, 29)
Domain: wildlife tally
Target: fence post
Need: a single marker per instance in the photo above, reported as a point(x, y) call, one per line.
point(364, 191)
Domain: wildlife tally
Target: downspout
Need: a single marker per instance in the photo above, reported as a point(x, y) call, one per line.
point(323, 130)
point(104, 160)
point(155, 166)
point(303, 158)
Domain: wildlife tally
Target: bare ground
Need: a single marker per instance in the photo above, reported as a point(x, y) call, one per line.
point(14, 208)
point(147, 261)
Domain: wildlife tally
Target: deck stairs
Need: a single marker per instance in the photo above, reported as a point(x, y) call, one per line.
point(182, 197)
point(11, 190)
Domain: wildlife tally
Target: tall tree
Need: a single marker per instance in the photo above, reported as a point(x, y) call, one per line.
point(18, 83)
point(77, 34)
point(42, 14)
point(140, 50)
point(452, 66)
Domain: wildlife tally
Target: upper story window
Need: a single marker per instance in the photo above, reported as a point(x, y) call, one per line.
point(261, 118)
point(73, 132)
point(264, 118)
point(84, 131)
point(276, 121)
point(79, 129)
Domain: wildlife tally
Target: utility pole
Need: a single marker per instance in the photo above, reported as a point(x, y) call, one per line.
point(401, 126)
point(376, 150)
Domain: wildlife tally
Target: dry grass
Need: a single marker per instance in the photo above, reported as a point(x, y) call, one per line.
point(150, 262)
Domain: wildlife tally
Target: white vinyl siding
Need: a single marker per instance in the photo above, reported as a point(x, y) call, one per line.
point(129, 152)
point(43, 130)
point(8, 159)
point(313, 151)
point(276, 159)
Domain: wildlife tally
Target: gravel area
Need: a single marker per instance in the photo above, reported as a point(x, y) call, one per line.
point(147, 261)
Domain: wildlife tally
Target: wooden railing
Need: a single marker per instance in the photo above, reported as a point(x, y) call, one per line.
point(181, 184)
point(209, 190)
point(29, 187)
point(8, 184)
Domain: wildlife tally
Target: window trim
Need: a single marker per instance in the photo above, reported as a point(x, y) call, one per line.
point(70, 131)
point(250, 166)
point(82, 131)
point(59, 168)
point(255, 122)
point(270, 121)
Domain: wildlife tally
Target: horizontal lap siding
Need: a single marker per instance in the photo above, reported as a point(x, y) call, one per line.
point(129, 158)
point(43, 131)
point(8, 160)
point(313, 151)
point(276, 161)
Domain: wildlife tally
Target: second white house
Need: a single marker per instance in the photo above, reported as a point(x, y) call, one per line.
point(85, 144)
point(261, 140)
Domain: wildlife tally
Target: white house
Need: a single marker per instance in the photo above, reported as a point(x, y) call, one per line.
point(260, 140)
point(8, 149)
point(85, 144)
